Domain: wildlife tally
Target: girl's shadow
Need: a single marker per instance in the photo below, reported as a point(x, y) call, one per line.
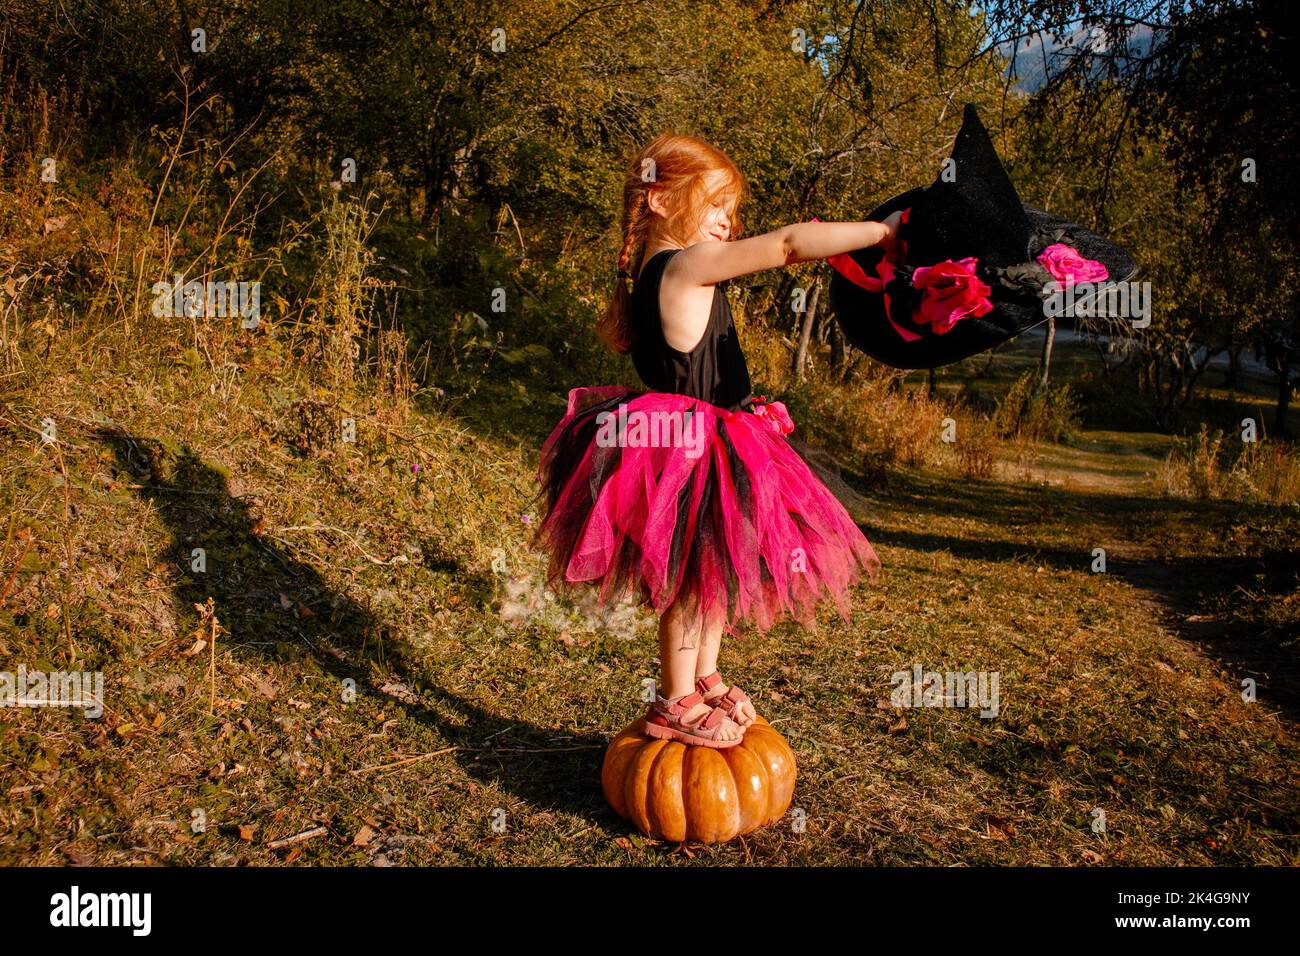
point(246, 574)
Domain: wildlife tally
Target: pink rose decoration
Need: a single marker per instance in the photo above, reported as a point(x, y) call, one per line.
point(950, 291)
point(776, 416)
point(1068, 267)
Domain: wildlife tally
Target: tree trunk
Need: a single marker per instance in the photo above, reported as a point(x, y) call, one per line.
point(932, 383)
point(838, 352)
point(1101, 354)
point(1283, 404)
point(1197, 371)
point(1045, 362)
point(1234, 366)
point(805, 331)
point(854, 367)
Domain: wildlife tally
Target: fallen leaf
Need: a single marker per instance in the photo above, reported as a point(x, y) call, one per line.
point(400, 691)
point(998, 828)
point(80, 856)
point(262, 686)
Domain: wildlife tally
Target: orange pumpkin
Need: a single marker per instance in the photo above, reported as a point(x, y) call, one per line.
point(677, 792)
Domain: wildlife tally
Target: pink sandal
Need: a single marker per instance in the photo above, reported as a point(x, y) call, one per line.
point(729, 703)
point(665, 722)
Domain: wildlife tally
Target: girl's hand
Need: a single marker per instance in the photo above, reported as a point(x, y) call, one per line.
point(892, 223)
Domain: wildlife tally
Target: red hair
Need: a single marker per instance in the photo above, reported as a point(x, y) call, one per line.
point(677, 166)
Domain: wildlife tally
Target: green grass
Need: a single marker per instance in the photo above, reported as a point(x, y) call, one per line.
point(482, 707)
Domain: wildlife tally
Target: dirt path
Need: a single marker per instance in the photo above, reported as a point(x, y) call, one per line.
point(1182, 581)
point(1108, 461)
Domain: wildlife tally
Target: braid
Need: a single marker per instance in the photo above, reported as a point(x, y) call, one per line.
point(634, 229)
point(614, 327)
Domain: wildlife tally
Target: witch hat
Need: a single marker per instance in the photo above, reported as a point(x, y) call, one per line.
point(972, 267)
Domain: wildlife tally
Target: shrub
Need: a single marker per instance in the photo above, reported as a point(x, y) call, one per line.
point(1206, 466)
point(1030, 412)
point(976, 441)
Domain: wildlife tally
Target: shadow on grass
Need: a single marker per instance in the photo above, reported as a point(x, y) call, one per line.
point(1224, 604)
point(246, 574)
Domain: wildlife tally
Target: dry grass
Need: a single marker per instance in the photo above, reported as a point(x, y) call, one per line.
point(477, 699)
point(1212, 465)
point(367, 670)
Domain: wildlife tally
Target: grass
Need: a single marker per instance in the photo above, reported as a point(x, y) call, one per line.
point(397, 564)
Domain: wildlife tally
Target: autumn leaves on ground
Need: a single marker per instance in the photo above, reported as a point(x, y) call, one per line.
point(389, 684)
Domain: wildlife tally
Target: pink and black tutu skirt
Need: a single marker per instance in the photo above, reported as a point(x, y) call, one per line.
point(679, 501)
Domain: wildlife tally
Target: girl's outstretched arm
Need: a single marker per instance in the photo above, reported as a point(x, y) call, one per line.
point(707, 263)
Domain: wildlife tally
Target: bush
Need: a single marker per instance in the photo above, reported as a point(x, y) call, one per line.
point(1114, 401)
point(874, 423)
point(975, 444)
point(1261, 471)
point(1030, 412)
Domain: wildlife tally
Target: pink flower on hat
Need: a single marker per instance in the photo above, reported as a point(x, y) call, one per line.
point(950, 291)
point(774, 415)
point(1068, 267)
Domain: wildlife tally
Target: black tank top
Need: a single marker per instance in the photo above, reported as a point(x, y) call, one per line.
point(714, 371)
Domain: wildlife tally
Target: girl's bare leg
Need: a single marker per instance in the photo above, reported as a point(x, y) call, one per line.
point(707, 661)
point(680, 645)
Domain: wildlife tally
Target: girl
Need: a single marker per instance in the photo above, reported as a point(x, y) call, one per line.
point(689, 493)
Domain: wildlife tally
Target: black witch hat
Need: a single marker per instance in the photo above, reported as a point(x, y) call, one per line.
point(972, 267)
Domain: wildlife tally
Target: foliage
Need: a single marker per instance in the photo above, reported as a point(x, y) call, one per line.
point(1037, 414)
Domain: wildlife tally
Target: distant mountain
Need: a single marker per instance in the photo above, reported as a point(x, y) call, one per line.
point(1033, 58)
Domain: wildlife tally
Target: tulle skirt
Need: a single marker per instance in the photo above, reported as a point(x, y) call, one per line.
point(678, 501)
